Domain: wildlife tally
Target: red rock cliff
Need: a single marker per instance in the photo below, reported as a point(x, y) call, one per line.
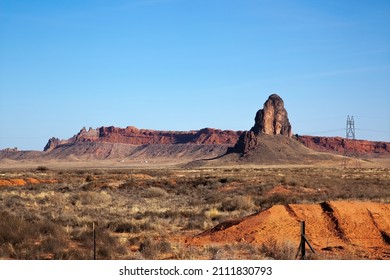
point(341, 145)
point(134, 136)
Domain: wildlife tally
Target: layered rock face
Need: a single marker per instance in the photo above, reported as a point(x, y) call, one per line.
point(271, 120)
point(339, 145)
point(134, 136)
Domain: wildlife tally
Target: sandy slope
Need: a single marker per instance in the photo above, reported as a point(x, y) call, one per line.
point(335, 226)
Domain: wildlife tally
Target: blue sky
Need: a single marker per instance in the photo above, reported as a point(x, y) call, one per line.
point(184, 65)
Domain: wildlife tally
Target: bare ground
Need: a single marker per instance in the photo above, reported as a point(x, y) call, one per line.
point(160, 211)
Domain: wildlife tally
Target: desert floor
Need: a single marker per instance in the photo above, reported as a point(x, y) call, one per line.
point(155, 210)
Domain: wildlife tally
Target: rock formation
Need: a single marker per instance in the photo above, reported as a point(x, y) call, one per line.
point(52, 144)
point(271, 120)
point(134, 136)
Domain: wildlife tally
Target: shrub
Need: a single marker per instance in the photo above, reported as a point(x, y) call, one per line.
point(128, 227)
point(92, 198)
point(155, 192)
point(13, 230)
point(42, 169)
point(278, 251)
point(236, 204)
point(106, 245)
point(151, 249)
point(213, 214)
point(89, 178)
point(20, 239)
point(223, 180)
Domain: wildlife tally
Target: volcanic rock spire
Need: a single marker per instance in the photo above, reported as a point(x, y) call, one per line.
point(271, 120)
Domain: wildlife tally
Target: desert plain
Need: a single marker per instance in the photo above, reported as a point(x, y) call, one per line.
point(162, 211)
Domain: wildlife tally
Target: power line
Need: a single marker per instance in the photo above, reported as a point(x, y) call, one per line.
point(324, 131)
point(372, 130)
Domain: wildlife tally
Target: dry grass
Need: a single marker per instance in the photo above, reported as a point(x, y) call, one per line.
point(141, 214)
point(278, 251)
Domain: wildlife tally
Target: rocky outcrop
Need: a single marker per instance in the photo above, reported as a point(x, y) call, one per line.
point(15, 149)
point(271, 120)
point(246, 142)
point(52, 144)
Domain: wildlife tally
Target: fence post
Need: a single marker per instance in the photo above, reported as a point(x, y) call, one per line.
point(303, 248)
point(303, 242)
point(94, 241)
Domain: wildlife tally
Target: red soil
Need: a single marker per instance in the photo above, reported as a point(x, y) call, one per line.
point(24, 182)
point(347, 226)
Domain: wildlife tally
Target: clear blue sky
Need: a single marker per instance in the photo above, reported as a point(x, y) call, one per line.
point(185, 64)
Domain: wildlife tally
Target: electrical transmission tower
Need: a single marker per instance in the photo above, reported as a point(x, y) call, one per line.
point(350, 128)
point(350, 145)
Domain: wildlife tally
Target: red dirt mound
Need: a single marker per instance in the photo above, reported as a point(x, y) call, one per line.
point(359, 227)
point(24, 182)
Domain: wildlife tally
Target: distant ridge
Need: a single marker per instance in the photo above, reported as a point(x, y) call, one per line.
point(340, 145)
point(134, 136)
point(187, 152)
point(270, 140)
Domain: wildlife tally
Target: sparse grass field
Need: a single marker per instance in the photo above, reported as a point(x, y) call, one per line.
point(148, 213)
